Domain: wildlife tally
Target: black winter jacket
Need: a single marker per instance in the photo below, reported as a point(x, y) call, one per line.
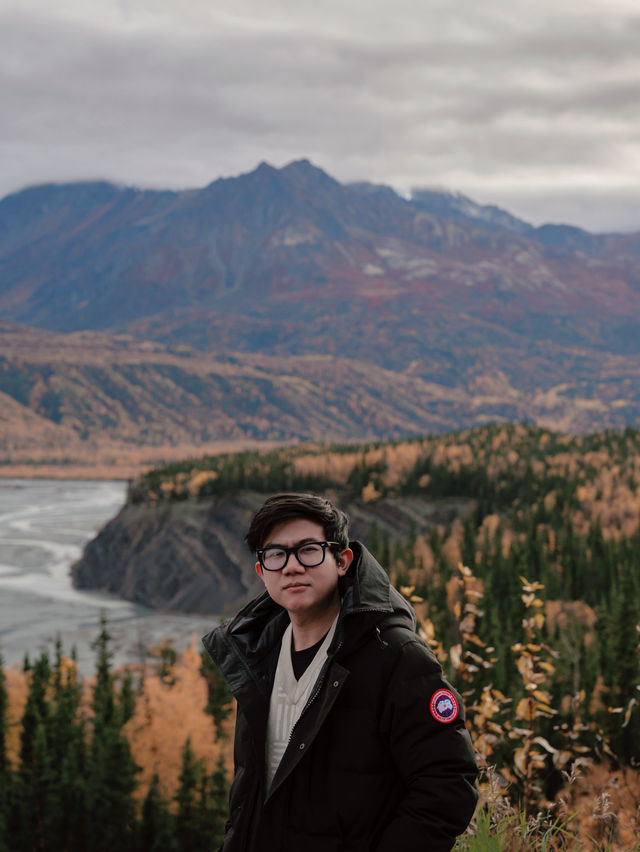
point(369, 767)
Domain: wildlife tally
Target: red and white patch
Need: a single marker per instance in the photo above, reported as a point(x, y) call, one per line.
point(444, 706)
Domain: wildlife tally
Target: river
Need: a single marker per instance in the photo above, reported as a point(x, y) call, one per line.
point(44, 525)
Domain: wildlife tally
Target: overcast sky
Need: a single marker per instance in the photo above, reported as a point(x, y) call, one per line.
point(530, 104)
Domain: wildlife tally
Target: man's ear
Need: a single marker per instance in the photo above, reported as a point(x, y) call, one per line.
point(345, 560)
point(259, 570)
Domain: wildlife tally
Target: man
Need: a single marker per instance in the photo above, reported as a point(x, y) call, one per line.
point(347, 735)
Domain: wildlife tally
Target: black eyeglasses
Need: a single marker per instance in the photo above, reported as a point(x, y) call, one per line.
point(310, 554)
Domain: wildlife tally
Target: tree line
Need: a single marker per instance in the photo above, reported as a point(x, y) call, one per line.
point(73, 787)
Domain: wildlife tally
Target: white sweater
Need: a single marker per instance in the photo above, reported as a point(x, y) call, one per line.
point(289, 697)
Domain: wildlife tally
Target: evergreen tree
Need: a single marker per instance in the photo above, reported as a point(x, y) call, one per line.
point(208, 818)
point(4, 709)
point(111, 770)
point(69, 757)
point(103, 698)
point(31, 811)
point(625, 666)
point(157, 825)
point(219, 802)
point(220, 698)
point(5, 805)
point(36, 710)
point(64, 723)
point(5, 769)
point(127, 698)
point(468, 550)
point(189, 799)
point(74, 817)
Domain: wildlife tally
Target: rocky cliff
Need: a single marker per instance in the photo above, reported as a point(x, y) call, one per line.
point(189, 556)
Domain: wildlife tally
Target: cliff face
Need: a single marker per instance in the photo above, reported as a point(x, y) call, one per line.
point(186, 557)
point(190, 556)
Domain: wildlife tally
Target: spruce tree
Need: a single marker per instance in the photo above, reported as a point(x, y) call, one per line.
point(75, 817)
point(219, 796)
point(111, 770)
point(127, 698)
point(4, 710)
point(625, 667)
point(5, 768)
point(68, 752)
point(469, 544)
point(29, 820)
point(157, 825)
point(187, 832)
point(220, 697)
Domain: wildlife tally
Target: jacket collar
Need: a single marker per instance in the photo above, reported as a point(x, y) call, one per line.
point(366, 586)
point(365, 590)
point(368, 598)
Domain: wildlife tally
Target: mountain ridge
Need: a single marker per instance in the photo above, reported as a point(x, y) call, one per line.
point(431, 313)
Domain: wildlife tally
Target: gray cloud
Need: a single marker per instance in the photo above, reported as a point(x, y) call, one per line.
point(508, 103)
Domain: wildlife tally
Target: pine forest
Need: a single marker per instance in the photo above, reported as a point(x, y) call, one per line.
point(527, 588)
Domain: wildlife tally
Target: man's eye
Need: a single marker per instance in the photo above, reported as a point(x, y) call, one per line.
point(273, 553)
point(309, 549)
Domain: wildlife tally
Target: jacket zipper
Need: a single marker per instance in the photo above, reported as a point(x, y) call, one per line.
point(322, 676)
point(315, 693)
point(323, 673)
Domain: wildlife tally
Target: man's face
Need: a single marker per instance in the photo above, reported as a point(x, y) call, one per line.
point(305, 592)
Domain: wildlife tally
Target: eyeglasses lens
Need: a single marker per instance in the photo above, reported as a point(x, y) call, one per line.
point(309, 555)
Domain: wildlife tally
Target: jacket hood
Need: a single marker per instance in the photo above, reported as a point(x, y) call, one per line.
point(366, 588)
point(367, 599)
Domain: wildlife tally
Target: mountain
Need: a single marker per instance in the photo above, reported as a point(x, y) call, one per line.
point(295, 241)
point(282, 304)
point(456, 206)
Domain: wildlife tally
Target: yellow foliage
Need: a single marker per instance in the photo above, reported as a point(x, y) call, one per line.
point(538, 618)
point(423, 555)
point(558, 614)
point(198, 479)
point(525, 709)
point(369, 493)
point(165, 716)
point(488, 528)
point(455, 655)
point(17, 685)
point(452, 546)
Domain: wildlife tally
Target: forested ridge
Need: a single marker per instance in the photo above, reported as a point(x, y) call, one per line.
point(527, 588)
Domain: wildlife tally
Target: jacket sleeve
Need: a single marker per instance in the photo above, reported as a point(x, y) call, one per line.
point(423, 719)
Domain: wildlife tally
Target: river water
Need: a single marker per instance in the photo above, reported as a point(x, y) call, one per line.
point(44, 524)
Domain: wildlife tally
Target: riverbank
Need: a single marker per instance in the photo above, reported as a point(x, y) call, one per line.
point(44, 526)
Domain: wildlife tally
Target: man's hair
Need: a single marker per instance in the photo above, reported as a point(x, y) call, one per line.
point(289, 507)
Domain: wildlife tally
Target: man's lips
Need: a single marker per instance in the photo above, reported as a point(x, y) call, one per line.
point(292, 587)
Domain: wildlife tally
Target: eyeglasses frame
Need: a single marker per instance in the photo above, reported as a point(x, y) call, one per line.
point(289, 550)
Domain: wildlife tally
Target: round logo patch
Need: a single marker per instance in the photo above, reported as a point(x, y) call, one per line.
point(444, 707)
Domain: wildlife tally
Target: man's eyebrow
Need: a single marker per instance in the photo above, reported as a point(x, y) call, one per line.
point(297, 544)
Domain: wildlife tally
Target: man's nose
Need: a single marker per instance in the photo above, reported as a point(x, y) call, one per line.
point(293, 565)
